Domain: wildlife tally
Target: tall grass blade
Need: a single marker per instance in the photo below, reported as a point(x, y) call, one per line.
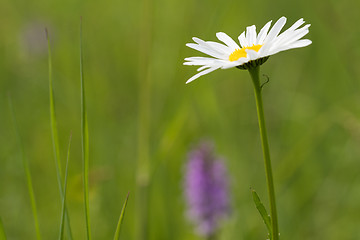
point(27, 172)
point(53, 122)
point(54, 135)
point(2, 231)
point(63, 207)
point(84, 141)
point(118, 228)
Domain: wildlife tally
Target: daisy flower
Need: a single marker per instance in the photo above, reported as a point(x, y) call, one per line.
point(254, 49)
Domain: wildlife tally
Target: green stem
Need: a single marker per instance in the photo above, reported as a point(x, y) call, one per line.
point(254, 73)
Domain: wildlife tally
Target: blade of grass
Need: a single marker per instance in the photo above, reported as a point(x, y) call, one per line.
point(27, 171)
point(84, 141)
point(55, 136)
point(53, 122)
point(118, 228)
point(63, 207)
point(2, 231)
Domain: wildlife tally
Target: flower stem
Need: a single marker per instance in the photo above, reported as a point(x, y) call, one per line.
point(254, 73)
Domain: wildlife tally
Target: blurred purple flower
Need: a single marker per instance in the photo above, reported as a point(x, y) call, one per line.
point(206, 190)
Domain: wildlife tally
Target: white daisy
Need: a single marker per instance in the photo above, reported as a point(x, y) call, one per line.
point(255, 48)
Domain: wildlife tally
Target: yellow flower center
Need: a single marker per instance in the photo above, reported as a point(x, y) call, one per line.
point(240, 53)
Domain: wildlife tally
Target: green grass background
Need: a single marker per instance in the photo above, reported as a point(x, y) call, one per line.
point(312, 105)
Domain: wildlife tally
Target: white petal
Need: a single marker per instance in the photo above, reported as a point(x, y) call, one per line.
point(203, 67)
point(238, 62)
point(275, 30)
point(300, 43)
point(263, 52)
point(201, 74)
point(198, 58)
point(291, 36)
point(220, 47)
point(291, 40)
point(298, 35)
point(297, 24)
point(198, 40)
point(251, 35)
point(205, 50)
point(263, 33)
point(227, 40)
point(203, 61)
point(214, 46)
point(252, 54)
point(297, 44)
point(200, 62)
point(242, 39)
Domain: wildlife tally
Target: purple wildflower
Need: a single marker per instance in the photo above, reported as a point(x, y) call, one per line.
point(206, 190)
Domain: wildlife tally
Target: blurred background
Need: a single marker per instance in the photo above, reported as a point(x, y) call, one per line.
point(133, 55)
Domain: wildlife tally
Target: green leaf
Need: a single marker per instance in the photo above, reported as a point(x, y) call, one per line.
point(260, 207)
point(117, 232)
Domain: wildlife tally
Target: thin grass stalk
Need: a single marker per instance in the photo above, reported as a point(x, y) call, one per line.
point(143, 161)
point(63, 207)
point(118, 228)
point(55, 136)
point(84, 141)
point(27, 172)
